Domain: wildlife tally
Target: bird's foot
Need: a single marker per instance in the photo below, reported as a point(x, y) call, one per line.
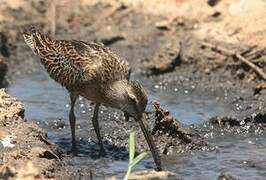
point(126, 116)
point(102, 152)
point(158, 169)
point(74, 151)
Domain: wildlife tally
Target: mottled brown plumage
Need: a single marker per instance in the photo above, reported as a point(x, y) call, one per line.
point(96, 73)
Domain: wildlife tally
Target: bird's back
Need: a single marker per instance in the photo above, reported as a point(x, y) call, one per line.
point(76, 63)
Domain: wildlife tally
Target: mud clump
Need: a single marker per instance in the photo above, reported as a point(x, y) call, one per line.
point(254, 123)
point(223, 176)
point(259, 88)
point(171, 59)
point(172, 137)
point(152, 175)
point(3, 71)
point(25, 150)
point(3, 45)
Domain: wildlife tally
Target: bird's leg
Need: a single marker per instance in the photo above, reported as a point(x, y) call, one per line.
point(72, 121)
point(125, 113)
point(96, 128)
point(126, 116)
point(149, 139)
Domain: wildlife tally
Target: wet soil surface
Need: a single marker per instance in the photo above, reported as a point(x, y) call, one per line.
point(212, 95)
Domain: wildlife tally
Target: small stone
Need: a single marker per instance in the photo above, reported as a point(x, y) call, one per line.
point(223, 176)
point(152, 175)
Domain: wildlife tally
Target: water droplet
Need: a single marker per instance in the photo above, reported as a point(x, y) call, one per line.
point(253, 115)
point(156, 86)
point(242, 122)
point(251, 142)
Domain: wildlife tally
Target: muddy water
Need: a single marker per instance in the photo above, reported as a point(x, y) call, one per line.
point(47, 103)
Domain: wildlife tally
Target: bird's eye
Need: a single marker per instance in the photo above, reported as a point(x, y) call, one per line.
point(133, 100)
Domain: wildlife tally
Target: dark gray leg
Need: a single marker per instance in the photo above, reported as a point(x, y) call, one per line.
point(72, 121)
point(126, 116)
point(125, 113)
point(96, 128)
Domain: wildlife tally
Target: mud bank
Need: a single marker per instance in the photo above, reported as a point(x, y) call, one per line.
point(25, 150)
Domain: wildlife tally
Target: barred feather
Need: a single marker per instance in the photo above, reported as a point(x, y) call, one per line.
point(76, 63)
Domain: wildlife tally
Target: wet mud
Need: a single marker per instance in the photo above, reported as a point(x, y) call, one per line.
point(165, 57)
point(172, 137)
point(3, 71)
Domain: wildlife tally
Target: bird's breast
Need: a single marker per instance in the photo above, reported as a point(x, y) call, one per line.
point(107, 94)
point(91, 92)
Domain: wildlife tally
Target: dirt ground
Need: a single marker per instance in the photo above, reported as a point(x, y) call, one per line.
point(28, 154)
point(162, 40)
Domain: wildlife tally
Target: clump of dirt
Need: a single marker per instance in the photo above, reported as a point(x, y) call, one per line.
point(172, 137)
point(3, 45)
point(259, 88)
point(3, 71)
point(25, 150)
point(4, 52)
point(152, 175)
point(173, 58)
point(255, 123)
point(224, 176)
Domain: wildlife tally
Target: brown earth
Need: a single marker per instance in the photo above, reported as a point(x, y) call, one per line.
point(3, 71)
point(33, 155)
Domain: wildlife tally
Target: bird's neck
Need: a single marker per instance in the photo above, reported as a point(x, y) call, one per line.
point(116, 94)
point(43, 44)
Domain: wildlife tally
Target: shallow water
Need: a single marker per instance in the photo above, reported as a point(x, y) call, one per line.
point(47, 103)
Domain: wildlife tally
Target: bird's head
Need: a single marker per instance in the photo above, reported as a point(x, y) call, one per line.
point(35, 39)
point(137, 100)
point(30, 36)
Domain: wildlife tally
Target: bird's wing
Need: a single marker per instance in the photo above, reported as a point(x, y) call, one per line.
point(97, 63)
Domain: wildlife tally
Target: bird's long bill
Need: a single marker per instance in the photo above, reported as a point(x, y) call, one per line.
point(149, 139)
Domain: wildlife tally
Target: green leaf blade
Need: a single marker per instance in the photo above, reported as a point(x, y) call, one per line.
point(138, 159)
point(131, 146)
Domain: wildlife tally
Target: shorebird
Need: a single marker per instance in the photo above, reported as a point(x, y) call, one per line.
point(95, 72)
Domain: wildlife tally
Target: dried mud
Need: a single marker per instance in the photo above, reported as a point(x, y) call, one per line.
point(29, 154)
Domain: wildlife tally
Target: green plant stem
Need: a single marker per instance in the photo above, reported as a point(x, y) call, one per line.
point(133, 161)
point(128, 172)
